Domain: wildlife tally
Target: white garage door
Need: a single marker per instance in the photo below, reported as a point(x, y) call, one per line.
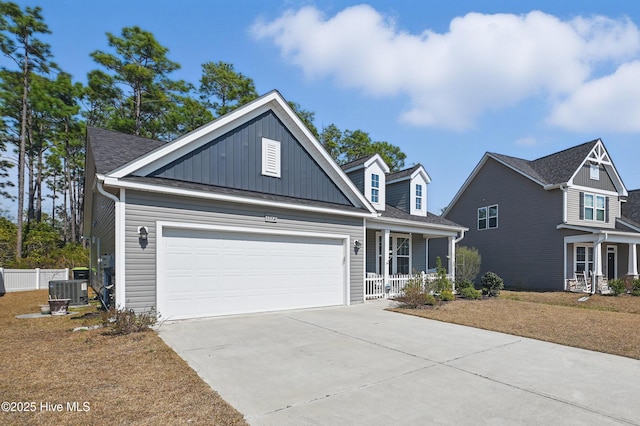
point(206, 273)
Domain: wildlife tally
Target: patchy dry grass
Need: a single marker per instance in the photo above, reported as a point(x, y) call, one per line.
point(131, 379)
point(602, 323)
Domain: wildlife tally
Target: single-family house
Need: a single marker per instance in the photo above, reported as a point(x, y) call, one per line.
point(249, 214)
point(561, 222)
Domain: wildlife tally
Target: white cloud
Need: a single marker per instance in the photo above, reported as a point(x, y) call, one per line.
point(484, 62)
point(610, 103)
point(528, 141)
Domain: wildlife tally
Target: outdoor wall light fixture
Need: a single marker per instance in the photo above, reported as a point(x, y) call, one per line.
point(357, 244)
point(143, 233)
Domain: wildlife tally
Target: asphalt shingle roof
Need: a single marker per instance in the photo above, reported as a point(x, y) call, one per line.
point(631, 209)
point(551, 169)
point(356, 162)
point(402, 173)
point(395, 213)
point(114, 149)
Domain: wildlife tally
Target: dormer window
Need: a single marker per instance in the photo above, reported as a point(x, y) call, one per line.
point(375, 188)
point(418, 197)
point(594, 172)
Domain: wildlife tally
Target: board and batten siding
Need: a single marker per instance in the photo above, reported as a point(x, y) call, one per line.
point(573, 209)
point(526, 249)
point(234, 160)
point(604, 182)
point(144, 209)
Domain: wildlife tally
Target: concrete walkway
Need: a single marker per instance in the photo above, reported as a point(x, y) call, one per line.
point(361, 365)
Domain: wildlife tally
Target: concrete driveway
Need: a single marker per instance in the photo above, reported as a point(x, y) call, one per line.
point(362, 365)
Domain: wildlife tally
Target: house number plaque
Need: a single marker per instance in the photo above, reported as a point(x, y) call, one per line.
point(271, 219)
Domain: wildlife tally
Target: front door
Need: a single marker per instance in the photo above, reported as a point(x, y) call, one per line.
point(611, 263)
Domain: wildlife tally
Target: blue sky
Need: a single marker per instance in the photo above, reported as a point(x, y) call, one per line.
point(445, 81)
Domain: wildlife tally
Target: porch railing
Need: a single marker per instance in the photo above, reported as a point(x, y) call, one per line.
point(376, 288)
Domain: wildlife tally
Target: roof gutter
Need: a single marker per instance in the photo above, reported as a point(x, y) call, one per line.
point(101, 190)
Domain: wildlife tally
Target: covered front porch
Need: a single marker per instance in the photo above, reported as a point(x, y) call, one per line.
point(595, 257)
point(396, 252)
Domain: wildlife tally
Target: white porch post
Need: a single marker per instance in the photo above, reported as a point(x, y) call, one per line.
point(426, 251)
point(566, 286)
point(385, 256)
point(452, 261)
point(597, 265)
point(633, 260)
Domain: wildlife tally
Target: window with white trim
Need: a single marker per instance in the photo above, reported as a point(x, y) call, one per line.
point(595, 207)
point(488, 217)
point(375, 188)
point(594, 171)
point(418, 196)
point(583, 258)
point(402, 255)
point(271, 158)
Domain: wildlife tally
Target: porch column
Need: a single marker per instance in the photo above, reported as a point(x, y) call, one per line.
point(426, 251)
point(385, 254)
point(633, 260)
point(452, 261)
point(597, 265)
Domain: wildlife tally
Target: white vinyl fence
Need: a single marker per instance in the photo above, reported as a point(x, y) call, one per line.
point(375, 287)
point(30, 279)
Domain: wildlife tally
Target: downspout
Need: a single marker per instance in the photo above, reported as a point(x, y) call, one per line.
point(598, 257)
point(117, 202)
point(564, 190)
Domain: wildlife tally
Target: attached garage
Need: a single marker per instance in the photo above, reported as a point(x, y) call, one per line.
point(224, 271)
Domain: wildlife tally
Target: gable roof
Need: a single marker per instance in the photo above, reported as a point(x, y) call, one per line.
point(408, 174)
point(357, 163)
point(114, 149)
point(550, 171)
point(364, 162)
point(118, 163)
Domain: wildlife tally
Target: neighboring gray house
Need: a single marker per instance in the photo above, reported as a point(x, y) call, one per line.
point(245, 214)
point(541, 224)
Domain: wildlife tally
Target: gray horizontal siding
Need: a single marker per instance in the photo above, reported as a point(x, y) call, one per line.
point(144, 209)
point(418, 253)
point(526, 249)
point(399, 195)
point(235, 160)
point(371, 250)
point(573, 210)
point(604, 182)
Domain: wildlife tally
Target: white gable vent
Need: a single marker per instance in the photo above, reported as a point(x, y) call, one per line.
point(270, 157)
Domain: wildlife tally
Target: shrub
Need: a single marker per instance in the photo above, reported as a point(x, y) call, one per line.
point(121, 321)
point(446, 295)
point(467, 263)
point(464, 284)
point(414, 293)
point(441, 282)
point(617, 287)
point(470, 293)
point(491, 284)
point(635, 287)
point(430, 299)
